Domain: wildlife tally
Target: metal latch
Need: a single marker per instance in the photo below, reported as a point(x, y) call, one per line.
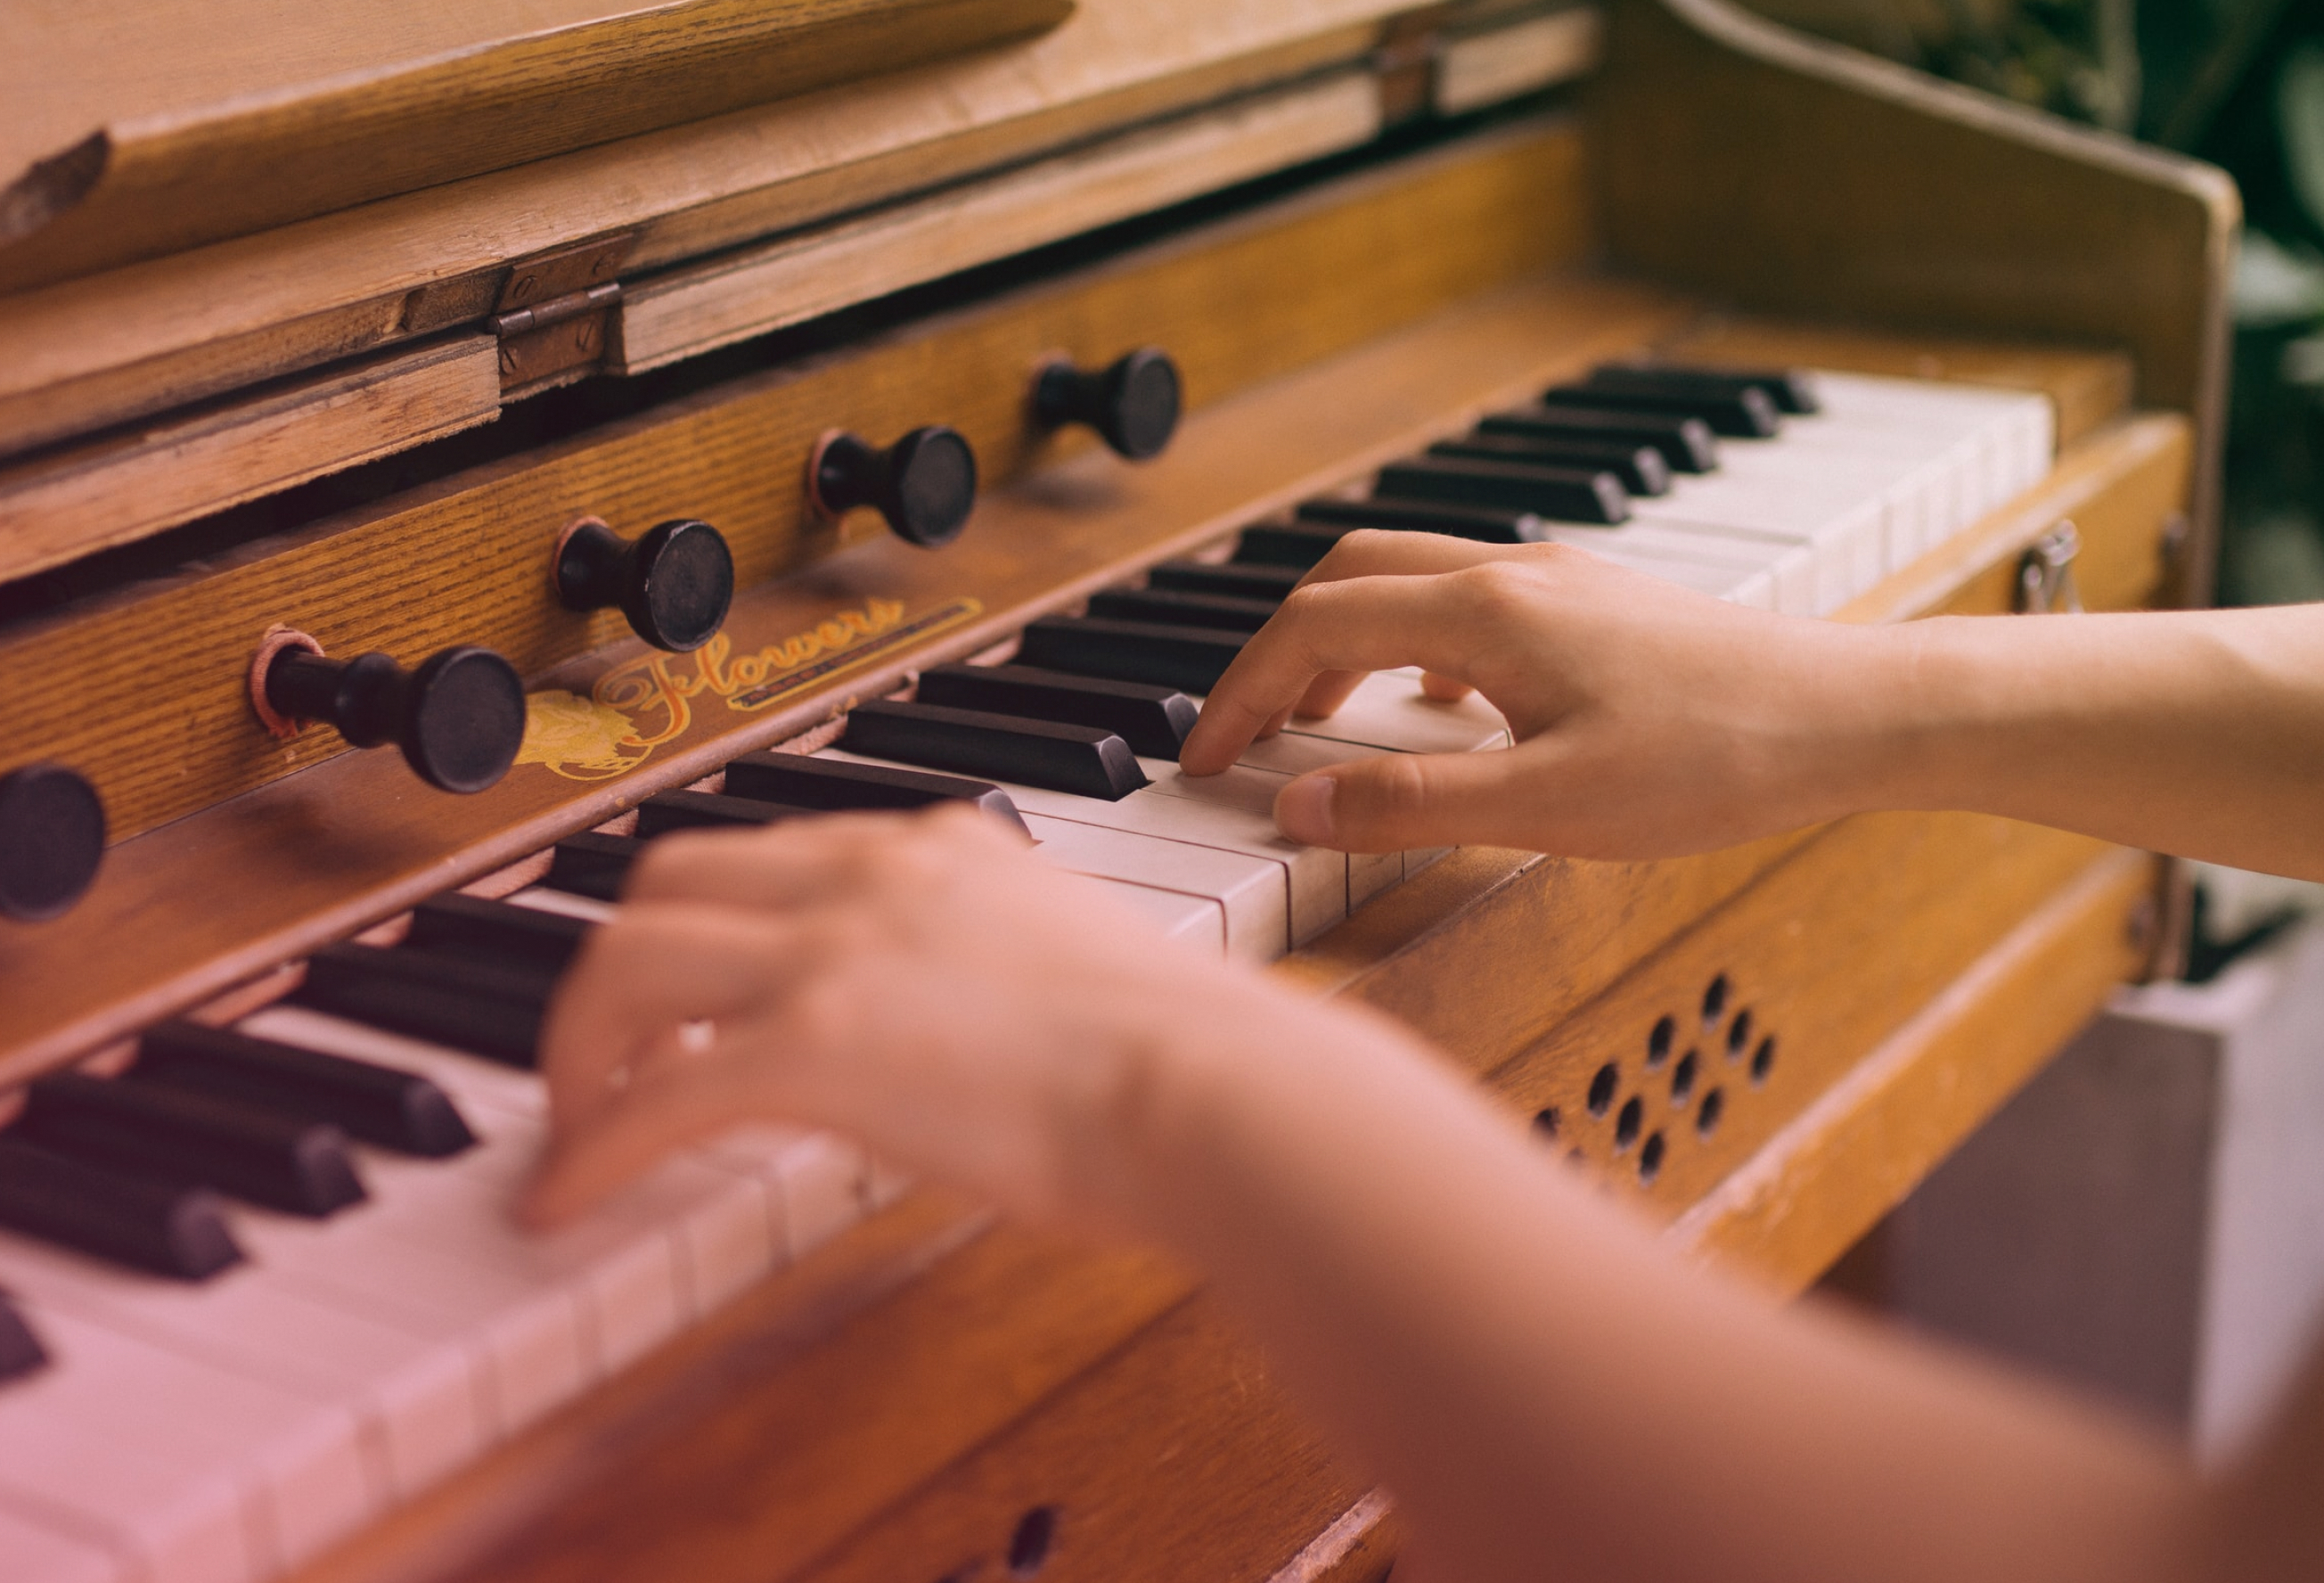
point(554, 313)
point(2045, 573)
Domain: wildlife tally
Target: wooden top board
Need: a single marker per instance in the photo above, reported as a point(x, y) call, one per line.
point(141, 129)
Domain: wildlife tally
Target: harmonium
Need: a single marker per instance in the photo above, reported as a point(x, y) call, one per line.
point(445, 447)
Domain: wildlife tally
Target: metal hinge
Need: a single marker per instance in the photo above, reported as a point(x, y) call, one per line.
point(556, 311)
point(1403, 63)
point(2045, 573)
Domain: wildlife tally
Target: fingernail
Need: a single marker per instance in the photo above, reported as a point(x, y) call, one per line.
point(1303, 810)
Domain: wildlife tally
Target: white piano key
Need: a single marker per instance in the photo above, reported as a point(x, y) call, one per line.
point(31, 1552)
point(1196, 920)
point(1250, 891)
point(728, 1233)
point(1368, 873)
point(1233, 813)
point(1745, 566)
point(820, 1180)
point(201, 1475)
point(420, 1256)
point(1387, 709)
point(418, 1405)
point(587, 909)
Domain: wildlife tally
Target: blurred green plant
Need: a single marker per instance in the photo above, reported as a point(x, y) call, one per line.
point(2239, 83)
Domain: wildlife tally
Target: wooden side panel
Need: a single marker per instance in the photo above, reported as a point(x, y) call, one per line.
point(1909, 203)
point(1681, 1070)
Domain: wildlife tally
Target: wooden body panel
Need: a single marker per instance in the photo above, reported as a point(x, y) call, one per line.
point(132, 340)
point(1910, 203)
point(355, 103)
point(737, 454)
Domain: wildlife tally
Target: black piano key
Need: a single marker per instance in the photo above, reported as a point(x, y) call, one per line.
point(1234, 579)
point(1154, 720)
point(20, 1352)
point(591, 866)
point(284, 1162)
point(486, 930)
point(1083, 761)
point(1287, 546)
point(1569, 495)
point(1484, 525)
point(169, 1227)
point(485, 1008)
point(1191, 658)
point(1687, 444)
point(1640, 468)
point(706, 810)
point(1177, 607)
point(397, 1110)
point(835, 786)
point(1741, 414)
point(1792, 391)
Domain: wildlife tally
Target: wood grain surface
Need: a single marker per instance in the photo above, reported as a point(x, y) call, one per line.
point(1908, 202)
point(128, 341)
point(467, 560)
point(310, 857)
point(115, 490)
point(134, 130)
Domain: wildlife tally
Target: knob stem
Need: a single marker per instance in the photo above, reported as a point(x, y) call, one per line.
point(675, 583)
point(459, 718)
point(1133, 402)
point(924, 483)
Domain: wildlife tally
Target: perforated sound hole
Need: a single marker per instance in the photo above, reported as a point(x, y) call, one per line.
point(1648, 1115)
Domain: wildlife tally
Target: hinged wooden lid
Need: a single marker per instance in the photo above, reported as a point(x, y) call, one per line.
point(138, 130)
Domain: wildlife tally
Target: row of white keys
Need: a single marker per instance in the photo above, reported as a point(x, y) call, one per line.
point(1213, 837)
point(218, 1433)
point(1805, 522)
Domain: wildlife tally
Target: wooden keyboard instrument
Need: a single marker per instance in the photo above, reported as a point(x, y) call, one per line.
point(648, 269)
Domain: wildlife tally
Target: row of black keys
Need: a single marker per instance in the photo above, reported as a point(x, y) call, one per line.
point(1580, 455)
point(126, 1169)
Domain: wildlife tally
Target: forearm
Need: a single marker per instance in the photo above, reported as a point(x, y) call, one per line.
point(1546, 1390)
point(2199, 733)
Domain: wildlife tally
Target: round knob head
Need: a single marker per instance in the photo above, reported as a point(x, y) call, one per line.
point(931, 486)
point(51, 841)
point(463, 720)
point(1140, 410)
point(681, 584)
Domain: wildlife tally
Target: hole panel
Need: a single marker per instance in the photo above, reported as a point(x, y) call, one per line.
point(1627, 1125)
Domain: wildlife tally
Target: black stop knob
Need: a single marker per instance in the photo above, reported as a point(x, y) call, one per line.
point(51, 839)
point(1132, 402)
point(674, 584)
point(924, 483)
point(459, 718)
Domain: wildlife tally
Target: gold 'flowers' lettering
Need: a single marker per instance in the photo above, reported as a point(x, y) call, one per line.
point(653, 698)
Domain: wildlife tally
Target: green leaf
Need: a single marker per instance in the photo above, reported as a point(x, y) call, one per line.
point(2300, 118)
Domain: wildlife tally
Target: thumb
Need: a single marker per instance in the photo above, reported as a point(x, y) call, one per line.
point(1396, 801)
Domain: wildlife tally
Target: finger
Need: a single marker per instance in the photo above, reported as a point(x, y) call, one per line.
point(655, 967)
point(1443, 688)
point(1375, 552)
point(1327, 692)
point(1368, 624)
point(1398, 801)
point(664, 1111)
